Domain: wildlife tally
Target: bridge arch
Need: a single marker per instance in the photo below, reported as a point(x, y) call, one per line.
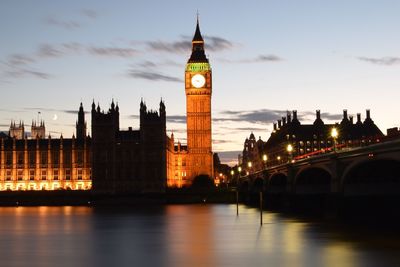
point(258, 184)
point(244, 186)
point(372, 176)
point(313, 180)
point(277, 183)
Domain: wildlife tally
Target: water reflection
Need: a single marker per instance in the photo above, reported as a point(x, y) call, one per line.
point(182, 235)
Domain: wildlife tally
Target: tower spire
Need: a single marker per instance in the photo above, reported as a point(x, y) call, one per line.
point(198, 55)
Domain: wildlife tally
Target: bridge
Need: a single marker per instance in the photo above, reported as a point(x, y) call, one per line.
point(363, 171)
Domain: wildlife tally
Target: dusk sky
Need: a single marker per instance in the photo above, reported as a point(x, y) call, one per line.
point(267, 57)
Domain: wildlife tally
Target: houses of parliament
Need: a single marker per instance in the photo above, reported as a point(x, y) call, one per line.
point(112, 160)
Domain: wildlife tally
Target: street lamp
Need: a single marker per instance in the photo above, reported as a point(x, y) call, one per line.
point(249, 164)
point(265, 158)
point(334, 134)
point(289, 149)
point(278, 158)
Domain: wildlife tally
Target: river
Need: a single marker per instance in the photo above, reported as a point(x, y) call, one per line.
point(184, 236)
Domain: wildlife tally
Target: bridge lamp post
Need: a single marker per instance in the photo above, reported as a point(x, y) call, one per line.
point(334, 134)
point(249, 164)
point(239, 169)
point(237, 189)
point(265, 158)
point(289, 149)
point(278, 158)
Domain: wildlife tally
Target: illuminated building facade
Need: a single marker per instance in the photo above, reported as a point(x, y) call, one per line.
point(187, 161)
point(308, 139)
point(115, 160)
point(37, 163)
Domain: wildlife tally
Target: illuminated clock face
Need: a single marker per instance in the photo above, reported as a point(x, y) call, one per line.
point(198, 80)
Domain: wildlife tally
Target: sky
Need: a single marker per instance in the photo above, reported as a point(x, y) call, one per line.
point(267, 57)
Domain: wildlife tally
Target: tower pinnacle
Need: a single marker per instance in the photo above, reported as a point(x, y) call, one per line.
point(198, 54)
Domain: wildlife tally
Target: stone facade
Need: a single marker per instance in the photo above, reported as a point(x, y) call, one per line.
point(188, 161)
point(307, 139)
point(37, 163)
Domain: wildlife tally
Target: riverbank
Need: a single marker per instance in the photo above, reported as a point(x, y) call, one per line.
point(88, 198)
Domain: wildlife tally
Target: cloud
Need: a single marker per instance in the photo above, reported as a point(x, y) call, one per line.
point(387, 61)
point(19, 60)
point(307, 115)
point(257, 59)
point(264, 58)
point(253, 116)
point(171, 47)
point(151, 64)
point(266, 116)
point(152, 76)
point(330, 116)
point(18, 73)
point(72, 47)
point(245, 129)
point(212, 43)
point(220, 141)
point(112, 51)
point(73, 112)
point(47, 50)
point(215, 44)
point(90, 13)
point(69, 25)
point(176, 119)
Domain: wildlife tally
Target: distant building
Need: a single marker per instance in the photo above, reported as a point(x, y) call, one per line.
point(307, 139)
point(37, 163)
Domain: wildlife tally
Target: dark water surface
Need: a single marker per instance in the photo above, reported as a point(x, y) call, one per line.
point(184, 235)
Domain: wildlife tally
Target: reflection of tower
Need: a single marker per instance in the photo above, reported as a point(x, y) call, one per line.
point(81, 124)
point(198, 89)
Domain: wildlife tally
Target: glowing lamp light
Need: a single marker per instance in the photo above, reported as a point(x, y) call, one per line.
point(232, 172)
point(278, 157)
point(289, 148)
point(249, 164)
point(334, 133)
point(239, 169)
point(265, 158)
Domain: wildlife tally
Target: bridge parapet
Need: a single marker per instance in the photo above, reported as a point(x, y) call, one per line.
point(331, 170)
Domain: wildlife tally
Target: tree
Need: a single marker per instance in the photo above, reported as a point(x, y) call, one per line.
point(203, 181)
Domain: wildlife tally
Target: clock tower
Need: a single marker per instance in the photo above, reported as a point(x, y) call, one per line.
point(198, 88)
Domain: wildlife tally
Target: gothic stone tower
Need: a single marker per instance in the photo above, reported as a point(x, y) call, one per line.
point(198, 87)
point(81, 124)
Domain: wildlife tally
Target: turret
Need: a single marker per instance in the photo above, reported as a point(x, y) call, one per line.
point(162, 109)
point(81, 123)
point(295, 121)
point(318, 121)
point(368, 119)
